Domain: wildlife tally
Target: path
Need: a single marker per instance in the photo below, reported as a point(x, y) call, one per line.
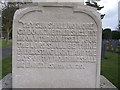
point(5, 52)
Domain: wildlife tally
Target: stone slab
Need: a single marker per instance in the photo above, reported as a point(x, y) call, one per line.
point(82, 1)
point(7, 81)
point(104, 82)
point(56, 45)
point(0, 84)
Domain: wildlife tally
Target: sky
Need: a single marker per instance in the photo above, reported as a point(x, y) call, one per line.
point(111, 10)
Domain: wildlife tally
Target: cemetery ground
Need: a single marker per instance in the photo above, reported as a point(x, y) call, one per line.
point(5, 46)
point(3, 43)
point(6, 66)
point(109, 67)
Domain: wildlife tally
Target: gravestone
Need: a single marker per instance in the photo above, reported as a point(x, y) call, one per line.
point(103, 49)
point(56, 45)
point(114, 44)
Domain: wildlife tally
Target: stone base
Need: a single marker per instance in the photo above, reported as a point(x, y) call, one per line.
point(105, 83)
point(6, 82)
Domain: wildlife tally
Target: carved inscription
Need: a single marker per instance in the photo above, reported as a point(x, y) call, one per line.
point(56, 45)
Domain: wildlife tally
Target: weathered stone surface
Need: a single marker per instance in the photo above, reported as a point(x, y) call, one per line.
point(56, 45)
point(59, 1)
point(0, 84)
point(6, 82)
point(104, 83)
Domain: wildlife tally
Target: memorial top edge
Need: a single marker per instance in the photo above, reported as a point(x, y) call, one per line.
point(76, 7)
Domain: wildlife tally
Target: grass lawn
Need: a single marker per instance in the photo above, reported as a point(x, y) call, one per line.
point(6, 66)
point(3, 43)
point(109, 68)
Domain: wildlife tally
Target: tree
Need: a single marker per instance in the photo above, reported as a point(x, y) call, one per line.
point(93, 3)
point(7, 17)
point(116, 35)
point(8, 10)
point(107, 34)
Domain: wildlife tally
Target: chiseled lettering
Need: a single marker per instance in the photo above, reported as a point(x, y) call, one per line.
point(56, 45)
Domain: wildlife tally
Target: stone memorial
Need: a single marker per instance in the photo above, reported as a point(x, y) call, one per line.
point(56, 45)
point(103, 56)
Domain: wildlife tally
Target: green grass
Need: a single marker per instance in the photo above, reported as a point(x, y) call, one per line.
point(3, 43)
point(109, 68)
point(6, 66)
